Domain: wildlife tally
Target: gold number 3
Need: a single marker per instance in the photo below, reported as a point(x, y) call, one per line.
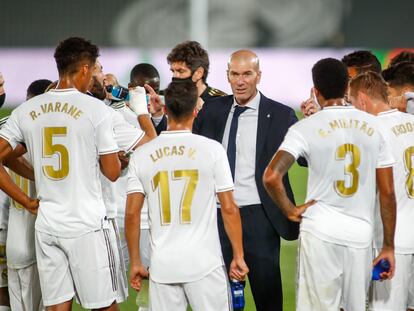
point(161, 179)
point(408, 161)
point(49, 149)
point(350, 169)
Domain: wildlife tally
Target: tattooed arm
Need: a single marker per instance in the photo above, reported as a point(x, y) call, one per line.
point(273, 182)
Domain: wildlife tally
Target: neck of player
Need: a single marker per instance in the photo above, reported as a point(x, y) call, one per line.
point(333, 102)
point(184, 124)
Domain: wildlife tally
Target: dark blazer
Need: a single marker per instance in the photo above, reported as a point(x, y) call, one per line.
point(274, 121)
point(162, 126)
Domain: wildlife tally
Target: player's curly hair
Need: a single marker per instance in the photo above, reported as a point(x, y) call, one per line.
point(192, 54)
point(400, 74)
point(370, 83)
point(181, 98)
point(70, 53)
point(404, 56)
point(363, 61)
point(330, 78)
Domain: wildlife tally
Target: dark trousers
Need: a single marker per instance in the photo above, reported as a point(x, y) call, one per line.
point(261, 244)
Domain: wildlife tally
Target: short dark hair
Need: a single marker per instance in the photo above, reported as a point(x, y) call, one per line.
point(404, 56)
point(400, 74)
point(370, 83)
point(192, 54)
point(143, 70)
point(37, 87)
point(363, 61)
point(70, 53)
point(181, 98)
point(330, 78)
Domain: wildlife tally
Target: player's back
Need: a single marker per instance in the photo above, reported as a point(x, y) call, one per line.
point(65, 131)
point(180, 173)
point(398, 129)
point(343, 147)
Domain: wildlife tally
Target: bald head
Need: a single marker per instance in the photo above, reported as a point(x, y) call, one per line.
point(244, 74)
point(245, 56)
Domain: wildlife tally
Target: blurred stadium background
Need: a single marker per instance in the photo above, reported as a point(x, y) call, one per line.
point(288, 35)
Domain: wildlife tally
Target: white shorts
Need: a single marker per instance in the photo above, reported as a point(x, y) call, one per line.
point(395, 294)
point(122, 293)
point(122, 239)
point(84, 265)
point(3, 258)
point(209, 293)
point(331, 276)
point(24, 289)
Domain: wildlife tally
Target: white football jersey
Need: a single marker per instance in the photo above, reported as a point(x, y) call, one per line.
point(180, 174)
point(398, 129)
point(121, 183)
point(343, 147)
point(127, 137)
point(20, 246)
point(65, 132)
point(4, 210)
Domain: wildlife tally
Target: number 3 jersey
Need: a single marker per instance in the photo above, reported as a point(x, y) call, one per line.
point(343, 147)
point(65, 132)
point(180, 174)
point(398, 129)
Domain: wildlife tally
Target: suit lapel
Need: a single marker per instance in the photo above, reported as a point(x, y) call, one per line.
point(222, 118)
point(263, 123)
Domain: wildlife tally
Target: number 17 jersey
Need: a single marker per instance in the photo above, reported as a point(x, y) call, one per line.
point(180, 174)
point(343, 147)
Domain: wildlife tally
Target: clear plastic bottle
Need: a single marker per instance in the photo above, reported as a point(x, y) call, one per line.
point(237, 294)
point(382, 266)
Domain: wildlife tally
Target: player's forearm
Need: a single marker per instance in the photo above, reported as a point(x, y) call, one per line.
point(132, 230)
point(147, 126)
point(11, 189)
point(20, 166)
point(232, 224)
point(388, 216)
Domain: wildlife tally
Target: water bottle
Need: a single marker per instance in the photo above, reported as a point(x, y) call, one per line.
point(237, 294)
point(382, 266)
point(118, 91)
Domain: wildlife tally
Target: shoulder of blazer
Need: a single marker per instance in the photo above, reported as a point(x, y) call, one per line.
point(276, 106)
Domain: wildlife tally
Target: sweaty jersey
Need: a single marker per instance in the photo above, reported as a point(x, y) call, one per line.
point(127, 137)
point(343, 147)
point(398, 129)
point(20, 246)
point(180, 174)
point(65, 132)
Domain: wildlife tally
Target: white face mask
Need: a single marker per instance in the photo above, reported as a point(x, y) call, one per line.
point(410, 102)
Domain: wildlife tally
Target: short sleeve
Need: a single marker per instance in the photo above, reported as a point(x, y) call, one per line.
point(126, 135)
point(105, 139)
point(11, 130)
point(223, 180)
point(134, 183)
point(295, 144)
point(385, 156)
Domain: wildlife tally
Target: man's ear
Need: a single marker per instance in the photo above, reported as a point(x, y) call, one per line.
point(198, 74)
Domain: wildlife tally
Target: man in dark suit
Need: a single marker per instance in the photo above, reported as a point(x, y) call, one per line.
point(251, 127)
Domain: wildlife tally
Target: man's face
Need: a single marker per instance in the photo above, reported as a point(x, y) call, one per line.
point(180, 70)
point(243, 77)
point(98, 73)
point(153, 82)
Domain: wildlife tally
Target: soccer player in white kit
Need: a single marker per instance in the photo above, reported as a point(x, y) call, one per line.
point(347, 157)
point(180, 173)
point(69, 138)
point(368, 92)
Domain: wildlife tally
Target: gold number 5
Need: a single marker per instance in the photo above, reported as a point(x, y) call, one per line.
point(161, 179)
point(350, 169)
point(49, 149)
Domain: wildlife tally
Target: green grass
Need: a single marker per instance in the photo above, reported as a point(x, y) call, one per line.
point(298, 178)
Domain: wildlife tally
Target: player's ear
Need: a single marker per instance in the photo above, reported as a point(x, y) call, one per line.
point(198, 74)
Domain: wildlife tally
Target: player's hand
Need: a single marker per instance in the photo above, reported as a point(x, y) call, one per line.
point(155, 102)
point(32, 206)
point(387, 254)
point(399, 102)
point(138, 100)
point(238, 269)
point(124, 159)
point(309, 106)
point(136, 274)
point(295, 214)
